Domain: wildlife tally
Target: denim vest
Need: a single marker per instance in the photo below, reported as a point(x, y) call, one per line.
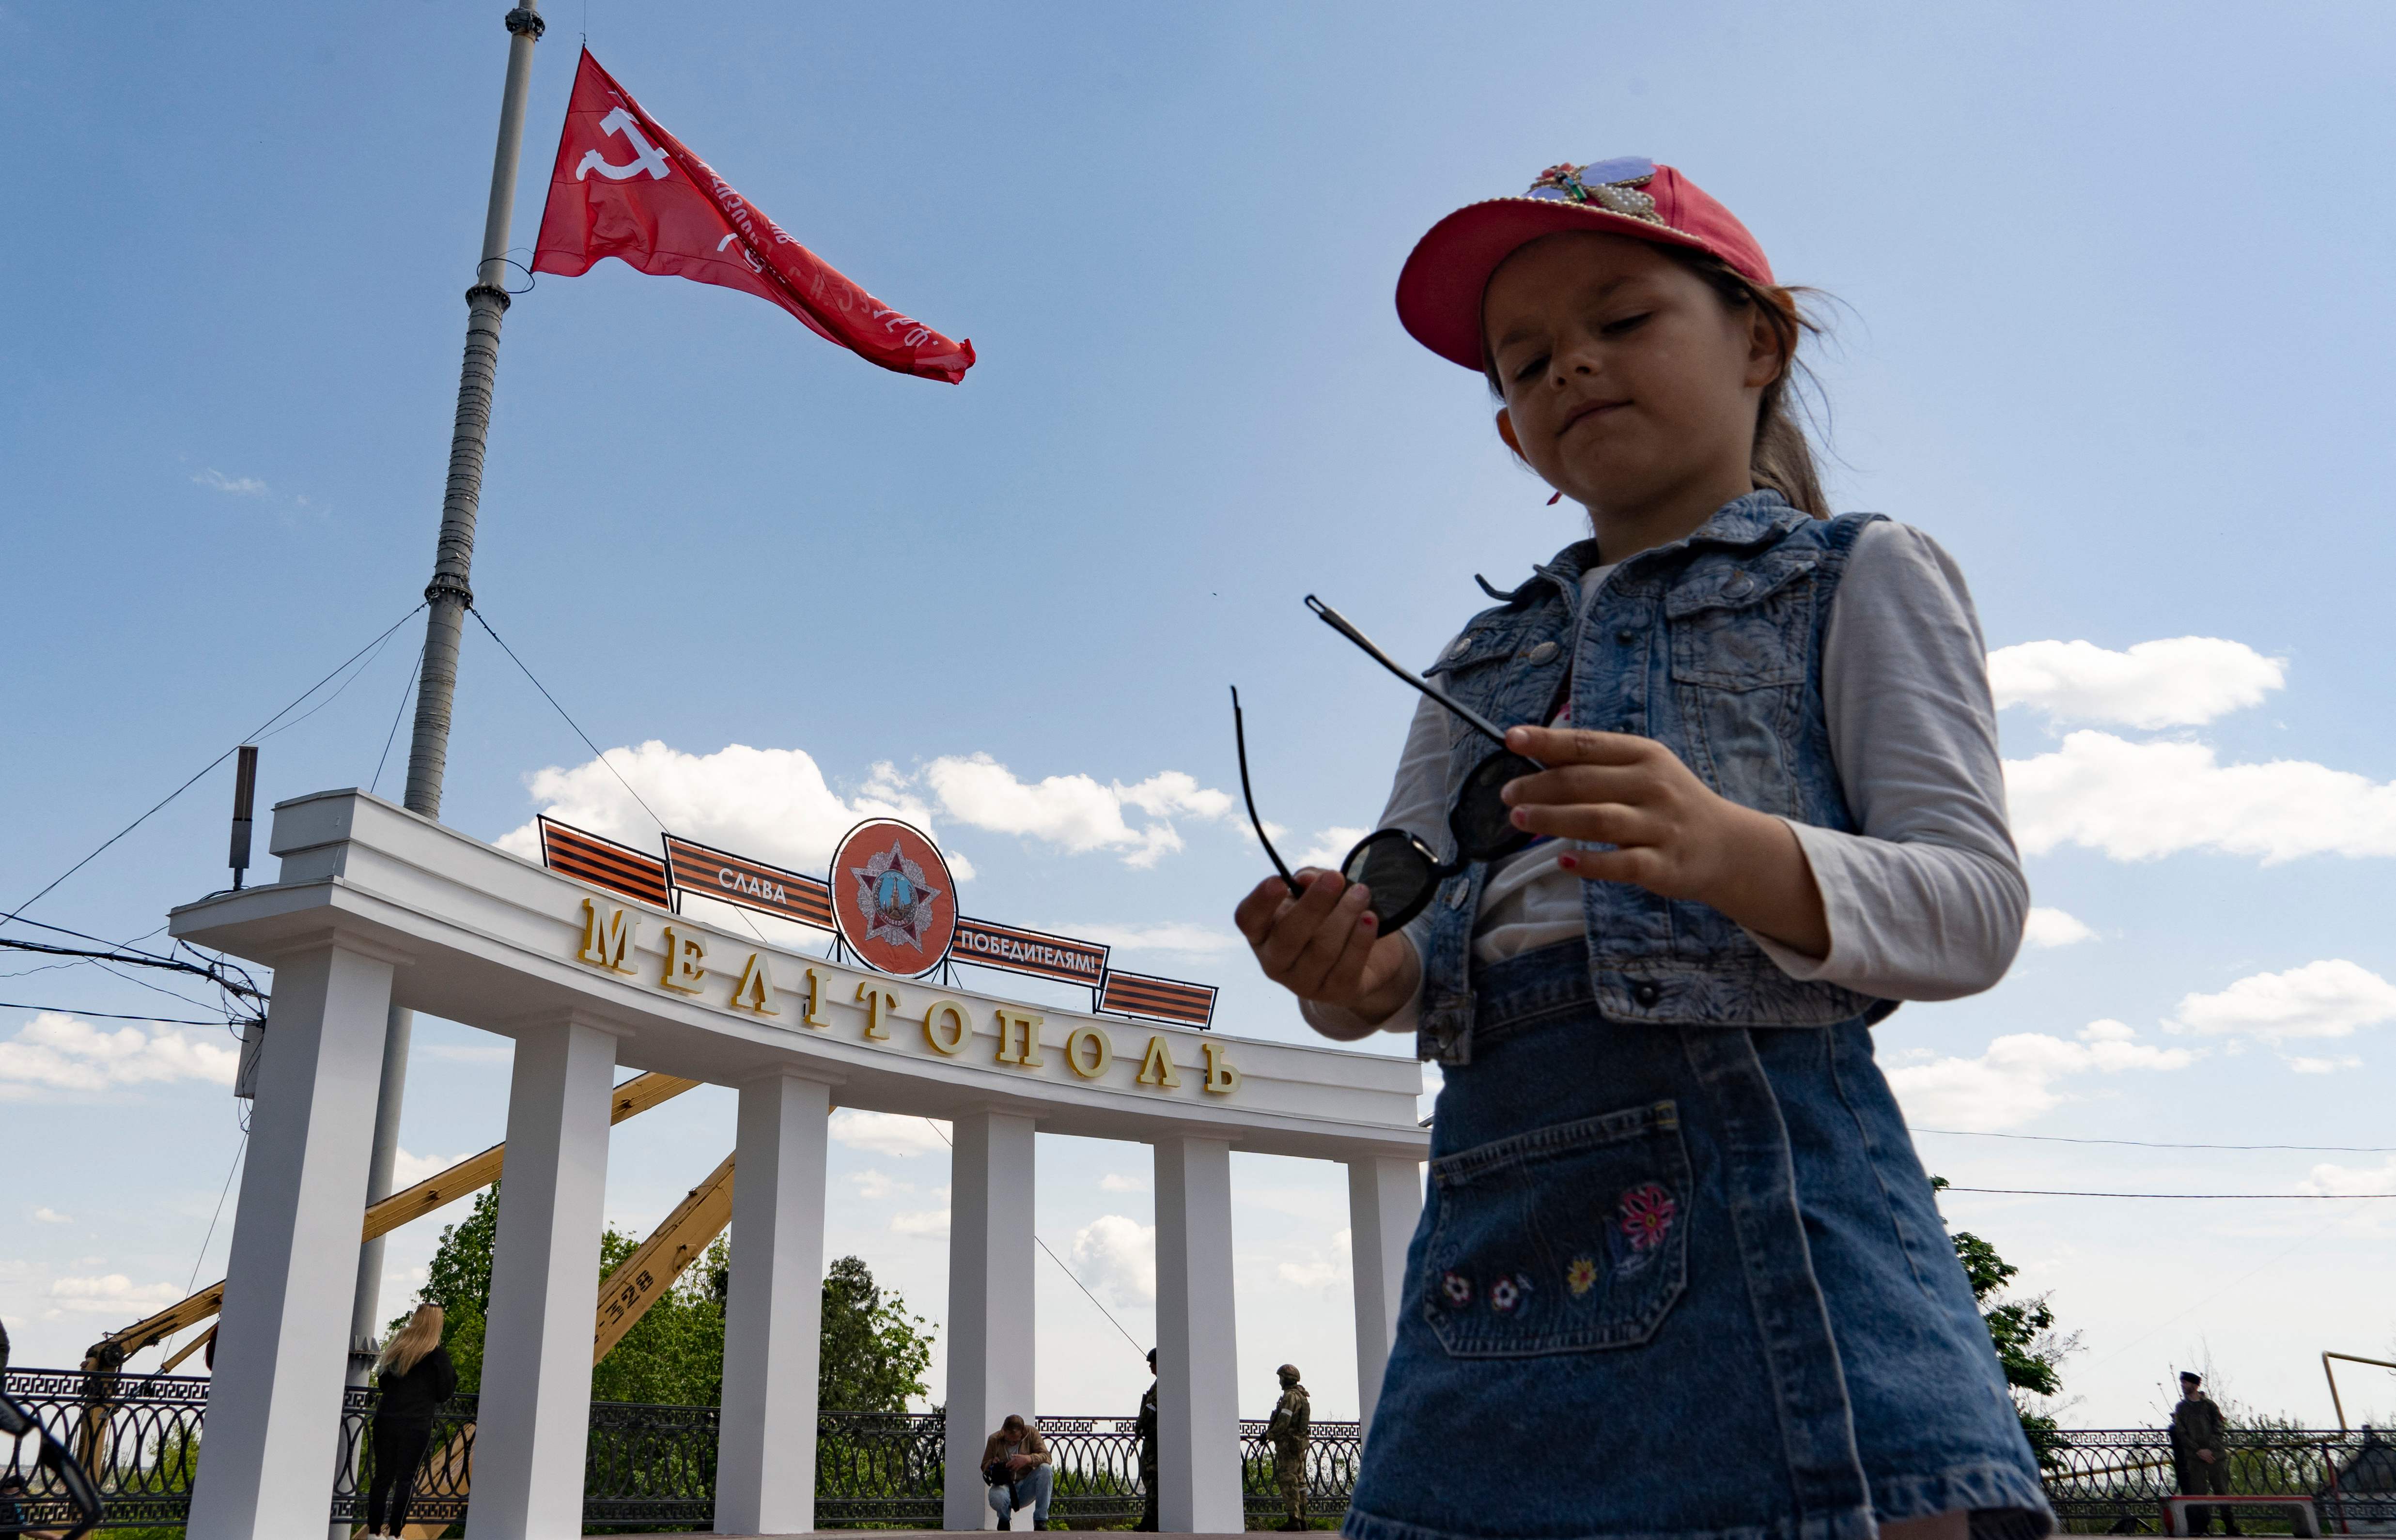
point(1712, 647)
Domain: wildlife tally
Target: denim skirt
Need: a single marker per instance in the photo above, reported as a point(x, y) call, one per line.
point(1680, 1281)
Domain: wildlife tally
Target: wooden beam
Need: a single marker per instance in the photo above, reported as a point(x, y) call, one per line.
point(642, 1279)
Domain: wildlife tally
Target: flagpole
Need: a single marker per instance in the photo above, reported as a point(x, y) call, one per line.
point(450, 597)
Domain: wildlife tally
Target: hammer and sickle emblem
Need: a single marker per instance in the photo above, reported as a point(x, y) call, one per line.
point(651, 159)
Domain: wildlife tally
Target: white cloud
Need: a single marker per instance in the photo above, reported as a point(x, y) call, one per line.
point(1330, 847)
point(112, 1294)
point(1172, 937)
point(1116, 1182)
point(2306, 1065)
point(47, 1216)
point(1075, 812)
point(2015, 1078)
point(875, 1185)
point(2177, 683)
point(1324, 1271)
point(244, 486)
point(473, 1052)
point(56, 1051)
point(887, 1133)
point(927, 1224)
point(407, 1169)
point(774, 803)
point(771, 803)
point(2053, 927)
point(1117, 1257)
point(2329, 999)
point(2137, 802)
point(2327, 1177)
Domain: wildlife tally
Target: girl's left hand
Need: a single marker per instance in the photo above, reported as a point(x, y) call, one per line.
point(1673, 835)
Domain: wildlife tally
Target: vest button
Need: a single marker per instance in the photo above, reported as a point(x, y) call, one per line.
point(1646, 993)
point(1463, 645)
point(1738, 587)
point(1544, 651)
point(1625, 638)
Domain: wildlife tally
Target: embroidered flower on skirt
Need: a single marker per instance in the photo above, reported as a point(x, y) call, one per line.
point(1507, 1292)
point(1457, 1288)
point(1647, 1212)
point(1581, 1275)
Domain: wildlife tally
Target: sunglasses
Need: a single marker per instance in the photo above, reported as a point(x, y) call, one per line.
point(1401, 872)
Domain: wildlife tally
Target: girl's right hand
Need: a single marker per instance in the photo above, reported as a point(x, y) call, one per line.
point(1324, 945)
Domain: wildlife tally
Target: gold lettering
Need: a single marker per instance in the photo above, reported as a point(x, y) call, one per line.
point(1088, 1051)
point(1019, 1038)
point(608, 943)
point(1156, 1065)
point(755, 991)
point(879, 1002)
point(1222, 1076)
point(814, 1016)
point(684, 954)
point(946, 1027)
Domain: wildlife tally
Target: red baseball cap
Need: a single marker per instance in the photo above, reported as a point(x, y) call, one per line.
point(1440, 289)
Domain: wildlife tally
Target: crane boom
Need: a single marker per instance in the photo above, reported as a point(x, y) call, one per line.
point(471, 1174)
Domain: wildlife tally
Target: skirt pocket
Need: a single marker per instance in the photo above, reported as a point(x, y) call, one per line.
point(1568, 1239)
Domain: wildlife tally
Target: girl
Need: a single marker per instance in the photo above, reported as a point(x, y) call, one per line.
point(415, 1376)
point(1677, 1272)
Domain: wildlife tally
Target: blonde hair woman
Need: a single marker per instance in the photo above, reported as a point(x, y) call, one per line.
point(415, 1376)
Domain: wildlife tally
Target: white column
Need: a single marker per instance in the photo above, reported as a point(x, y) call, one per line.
point(773, 1319)
point(1197, 1341)
point(1384, 1202)
point(536, 1402)
point(273, 1414)
point(990, 1358)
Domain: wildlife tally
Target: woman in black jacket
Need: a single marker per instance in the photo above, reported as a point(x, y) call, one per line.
point(415, 1376)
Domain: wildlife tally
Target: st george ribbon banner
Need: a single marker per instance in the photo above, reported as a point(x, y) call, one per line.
point(692, 868)
point(1034, 953)
point(623, 187)
point(695, 867)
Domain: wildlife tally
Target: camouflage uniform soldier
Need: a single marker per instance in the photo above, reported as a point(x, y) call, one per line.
point(1292, 1423)
point(1147, 1524)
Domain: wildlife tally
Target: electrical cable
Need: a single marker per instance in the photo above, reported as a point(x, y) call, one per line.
point(170, 796)
point(105, 1015)
point(214, 975)
point(2151, 1144)
point(569, 721)
point(2054, 1192)
point(389, 738)
point(1061, 1268)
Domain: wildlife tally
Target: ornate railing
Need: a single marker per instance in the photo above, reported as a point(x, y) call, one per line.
point(2109, 1481)
point(654, 1466)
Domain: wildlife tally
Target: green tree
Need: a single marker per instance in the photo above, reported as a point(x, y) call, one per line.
point(874, 1353)
point(2022, 1329)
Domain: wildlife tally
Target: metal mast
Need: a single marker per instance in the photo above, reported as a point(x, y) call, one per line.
point(450, 597)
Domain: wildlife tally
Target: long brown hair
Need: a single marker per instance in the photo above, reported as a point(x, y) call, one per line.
point(410, 1343)
point(1783, 457)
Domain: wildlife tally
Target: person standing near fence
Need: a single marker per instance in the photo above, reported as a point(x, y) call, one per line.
point(415, 1376)
point(2202, 1462)
point(1147, 1524)
point(1291, 1429)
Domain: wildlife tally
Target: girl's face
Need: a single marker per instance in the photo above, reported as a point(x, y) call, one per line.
point(1629, 386)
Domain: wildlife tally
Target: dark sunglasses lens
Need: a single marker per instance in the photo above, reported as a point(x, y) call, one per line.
point(1394, 867)
point(1482, 823)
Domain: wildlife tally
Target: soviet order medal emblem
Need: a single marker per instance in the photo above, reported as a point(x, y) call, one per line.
point(892, 897)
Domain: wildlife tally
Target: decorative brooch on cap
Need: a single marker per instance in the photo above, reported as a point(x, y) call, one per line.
point(1612, 185)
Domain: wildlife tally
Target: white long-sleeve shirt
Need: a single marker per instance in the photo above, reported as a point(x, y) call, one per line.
point(1926, 902)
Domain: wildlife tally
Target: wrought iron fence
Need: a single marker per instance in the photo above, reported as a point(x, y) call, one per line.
point(2112, 1482)
point(651, 1467)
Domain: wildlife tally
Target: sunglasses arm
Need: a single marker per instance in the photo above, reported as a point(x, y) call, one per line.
point(1240, 736)
point(1464, 714)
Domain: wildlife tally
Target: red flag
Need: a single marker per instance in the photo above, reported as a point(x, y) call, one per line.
point(623, 187)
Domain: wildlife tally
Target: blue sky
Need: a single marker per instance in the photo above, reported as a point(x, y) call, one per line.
point(2110, 320)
